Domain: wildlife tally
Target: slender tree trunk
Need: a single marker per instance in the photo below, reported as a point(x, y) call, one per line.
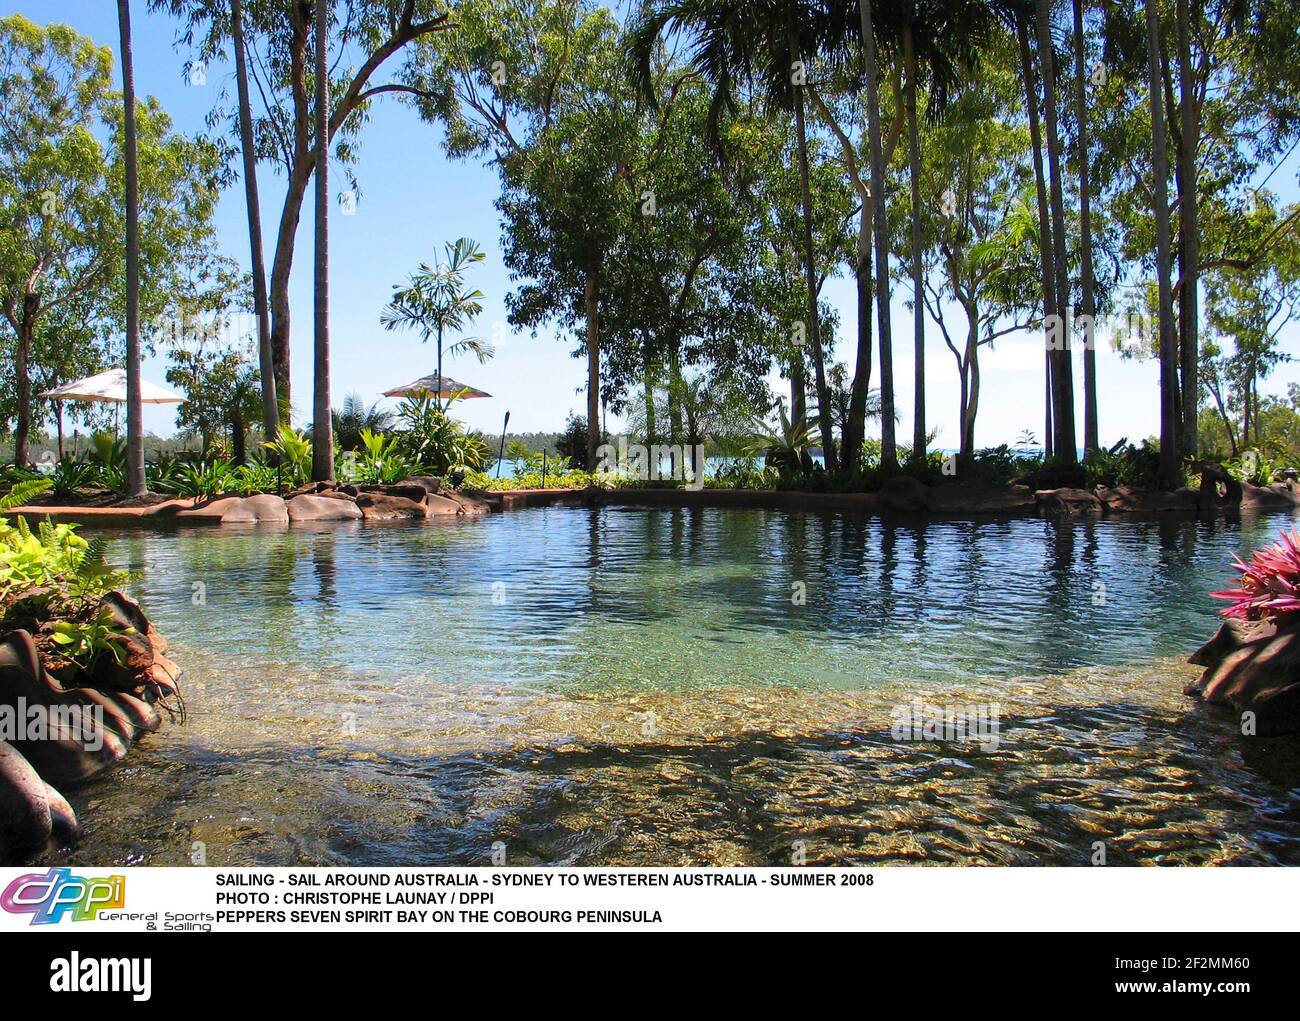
point(439, 388)
point(23, 381)
point(135, 482)
point(648, 381)
point(1090, 426)
point(281, 264)
point(322, 439)
point(1189, 235)
point(918, 271)
point(1170, 475)
point(591, 293)
point(1062, 369)
point(888, 440)
point(271, 415)
point(1045, 260)
point(855, 429)
point(239, 441)
point(813, 331)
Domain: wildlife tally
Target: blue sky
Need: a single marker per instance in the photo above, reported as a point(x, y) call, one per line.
point(413, 199)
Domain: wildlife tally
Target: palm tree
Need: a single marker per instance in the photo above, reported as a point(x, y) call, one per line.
point(1169, 470)
point(1020, 17)
point(354, 417)
point(135, 481)
point(1062, 370)
point(1090, 427)
point(322, 440)
point(888, 439)
point(766, 42)
point(436, 301)
point(261, 307)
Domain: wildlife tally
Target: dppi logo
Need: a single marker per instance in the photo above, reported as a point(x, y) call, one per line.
point(47, 898)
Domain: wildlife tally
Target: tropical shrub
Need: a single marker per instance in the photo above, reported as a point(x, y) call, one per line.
point(1256, 467)
point(293, 450)
point(432, 438)
point(70, 475)
point(52, 582)
point(1269, 586)
point(1124, 465)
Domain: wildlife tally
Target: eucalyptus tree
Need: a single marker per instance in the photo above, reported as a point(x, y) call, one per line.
point(436, 301)
point(767, 45)
point(322, 440)
point(679, 294)
point(974, 176)
point(271, 411)
point(370, 35)
point(535, 89)
point(839, 113)
point(940, 39)
point(62, 204)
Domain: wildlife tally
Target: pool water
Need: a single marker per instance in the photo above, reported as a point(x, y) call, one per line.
point(697, 686)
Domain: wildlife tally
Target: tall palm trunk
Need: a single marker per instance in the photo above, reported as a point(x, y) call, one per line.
point(1062, 369)
point(855, 429)
point(888, 440)
point(1090, 426)
point(813, 331)
point(135, 482)
point(1169, 473)
point(918, 271)
point(1189, 234)
point(261, 308)
point(1045, 261)
point(591, 297)
point(322, 440)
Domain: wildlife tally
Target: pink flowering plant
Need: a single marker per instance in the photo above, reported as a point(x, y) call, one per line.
point(1269, 586)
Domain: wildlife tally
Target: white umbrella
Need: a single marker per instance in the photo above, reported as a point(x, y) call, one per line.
point(110, 388)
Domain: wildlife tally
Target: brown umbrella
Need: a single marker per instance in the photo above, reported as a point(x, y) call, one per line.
point(436, 386)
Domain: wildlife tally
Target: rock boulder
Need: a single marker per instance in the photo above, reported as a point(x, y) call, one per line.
point(1253, 666)
point(979, 498)
point(904, 494)
point(313, 507)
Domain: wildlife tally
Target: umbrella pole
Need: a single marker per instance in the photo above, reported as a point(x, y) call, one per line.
point(502, 453)
point(58, 420)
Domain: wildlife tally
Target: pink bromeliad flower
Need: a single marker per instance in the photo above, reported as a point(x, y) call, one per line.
point(1269, 584)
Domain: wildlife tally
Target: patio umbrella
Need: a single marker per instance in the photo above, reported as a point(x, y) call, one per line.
point(108, 388)
point(436, 386)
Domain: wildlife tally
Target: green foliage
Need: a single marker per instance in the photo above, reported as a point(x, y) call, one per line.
point(353, 417)
point(84, 641)
point(69, 476)
point(22, 491)
point(1257, 468)
point(293, 450)
point(572, 443)
point(432, 438)
point(53, 557)
point(743, 473)
point(1124, 465)
point(380, 462)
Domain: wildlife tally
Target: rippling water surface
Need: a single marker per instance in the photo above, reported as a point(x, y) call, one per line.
point(622, 686)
